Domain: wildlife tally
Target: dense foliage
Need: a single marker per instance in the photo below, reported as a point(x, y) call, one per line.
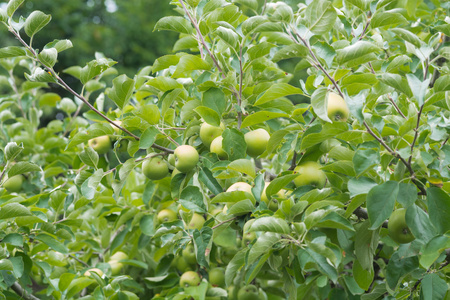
point(206, 180)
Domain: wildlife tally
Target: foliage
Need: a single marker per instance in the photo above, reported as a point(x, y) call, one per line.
point(79, 209)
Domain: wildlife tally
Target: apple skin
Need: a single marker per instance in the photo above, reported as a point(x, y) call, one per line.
point(189, 278)
point(248, 292)
point(118, 123)
point(186, 158)
point(217, 277)
point(397, 228)
point(119, 255)
point(240, 186)
point(209, 132)
point(155, 168)
point(310, 174)
point(100, 144)
point(116, 267)
point(217, 148)
point(98, 271)
point(257, 141)
point(181, 265)
point(188, 254)
point(13, 184)
point(196, 222)
point(337, 108)
point(273, 203)
point(166, 215)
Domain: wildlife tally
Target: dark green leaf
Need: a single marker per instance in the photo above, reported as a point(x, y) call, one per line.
point(439, 209)
point(381, 201)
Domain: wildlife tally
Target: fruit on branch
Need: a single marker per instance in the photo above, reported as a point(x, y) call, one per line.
point(93, 270)
point(209, 132)
point(155, 168)
point(398, 229)
point(189, 278)
point(248, 292)
point(180, 264)
point(117, 130)
point(217, 277)
point(217, 148)
point(309, 173)
point(13, 184)
point(337, 108)
point(114, 262)
point(186, 158)
point(257, 141)
point(166, 215)
point(329, 144)
point(100, 144)
point(188, 254)
point(119, 255)
point(196, 222)
point(240, 186)
point(273, 203)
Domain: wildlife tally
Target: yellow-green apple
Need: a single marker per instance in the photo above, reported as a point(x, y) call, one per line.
point(397, 228)
point(13, 184)
point(196, 222)
point(256, 141)
point(217, 148)
point(309, 173)
point(217, 277)
point(186, 158)
point(93, 270)
point(166, 215)
point(101, 144)
point(273, 203)
point(209, 132)
point(155, 168)
point(248, 292)
point(337, 108)
point(188, 254)
point(189, 278)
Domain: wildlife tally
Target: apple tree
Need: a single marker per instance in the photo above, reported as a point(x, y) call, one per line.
point(282, 150)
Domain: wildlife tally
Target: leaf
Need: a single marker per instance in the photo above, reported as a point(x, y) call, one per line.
point(439, 209)
point(174, 23)
point(319, 102)
point(59, 45)
point(398, 82)
point(233, 197)
point(329, 130)
point(234, 266)
point(322, 265)
point(278, 90)
point(386, 18)
point(228, 36)
point(12, 210)
point(363, 160)
point(263, 244)
point(206, 177)
point(90, 157)
point(215, 99)
point(442, 84)
point(202, 239)
point(358, 186)
point(149, 113)
point(334, 220)
point(89, 186)
point(433, 287)
point(260, 50)
point(244, 166)
point(12, 150)
point(192, 199)
point(94, 68)
point(418, 88)
point(361, 4)
point(381, 201)
point(398, 267)
point(433, 249)
point(12, 6)
point(6, 265)
point(408, 36)
point(320, 16)
point(209, 115)
point(52, 243)
point(242, 207)
point(48, 57)
point(278, 183)
point(121, 91)
point(362, 277)
point(366, 242)
point(355, 51)
point(189, 63)
point(148, 137)
point(12, 51)
point(234, 144)
point(35, 22)
point(23, 167)
point(270, 224)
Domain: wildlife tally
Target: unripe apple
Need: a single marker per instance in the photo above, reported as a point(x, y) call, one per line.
point(257, 141)
point(116, 267)
point(189, 278)
point(240, 186)
point(101, 144)
point(310, 174)
point(209, 132)
point(119, 255)
point(217, 277)
point(273, 203)
point(196, 222)
point(181, 264)
point(13, 184)
point(186, 158)
point(248, 292)
point(166, 215)
point(188, 254)
point(116, 129)
point(155, 168)
point(98, 271)
point(216, 147)
point(397, 228)
point(337, 108)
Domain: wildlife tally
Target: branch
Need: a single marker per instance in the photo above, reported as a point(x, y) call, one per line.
point(241, 75)
point(223, 222)
point(364, 31)
point(19, 290)
point(395, 105)
point(416, 133)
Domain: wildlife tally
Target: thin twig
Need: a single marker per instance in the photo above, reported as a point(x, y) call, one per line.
point(223, 222)
point(395, 105)
point(416, 134)
point(364, 31)
point(241, 77)
point(79, 260)
point(19, 290)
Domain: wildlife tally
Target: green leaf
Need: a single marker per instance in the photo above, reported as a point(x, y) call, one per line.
point(95, 130)
point(358, 186)
point(263, 244)
point(94, 68)
point(329, 130)
point(433, 287)
point(35, 22)
point(59, 45)
point(290, 51)
point(320, 16)
point(270, 224)
point(148, 137)
point(234, 144)
point(52, 243)
point(381, 201)
point(419, 223)
point(322, 265)
point(90, 157)
point(442, 84)
point(398, 267)
point(192, 199)
point(202, 239)
point(433, 249)
point(319, 102)
point(278, 183)
point(439, 209)
point(260, 50)
point(361, 4)
point(418, 88)
point(242, 207)
point(48, 57)
point(12, 210)
point(6, 265)
point(89, 186)
point(252, 23)
point(3, 15)
point(165, 62)
point(189, 63)
point(172, 23)
point(244, 166)
point(363, 160)
point(149, 113)
point(276, 91)
point(228, 36)
point(355, 51)
point(12, 6)
point(408, 36)
point(215, 99)
point(362, 277)
point(121, 91)
point(209, 115)
point(386, 18)
point(234, 266)
point(12, 51)
point(232, 197)
point(398, 82)
point(206, 177)
point(23, 167)
point(334, 220)
point(261, 117)
point(14, 239)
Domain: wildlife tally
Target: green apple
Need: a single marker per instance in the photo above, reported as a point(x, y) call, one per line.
point(216, 147)
point(166, 215)
point(337, 109)
point(155, 168)
point(256, 141)
point(93, 270)
point(240, 186)
point(119, 255)
point(171, 159)
point(186, 158)
point(273, 203)
point(310, 174)
point(188, 254)
point(196, 222)
point(116, 267)
point(116, 129)
point(217, 277)
point(209, 132)
point(181, 264)
point(13, 184)
point(101, 144)
point(189, 278)
point(397, 228)
point(248, 292)
point(227, 254)
point(122, 146)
